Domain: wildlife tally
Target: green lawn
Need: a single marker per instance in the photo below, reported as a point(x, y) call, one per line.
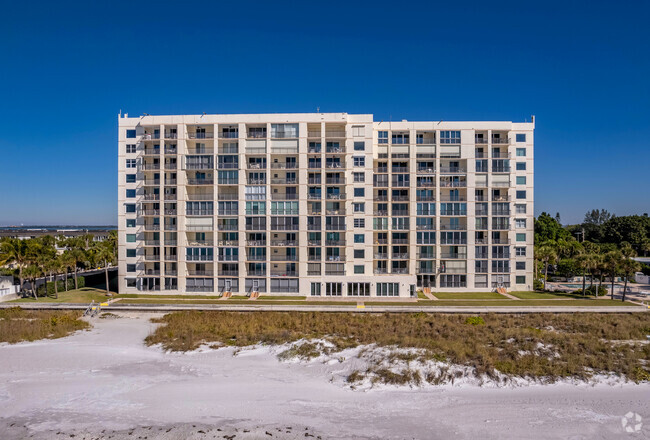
point(83, 295)
point(508, 303)
point(237, 301)
point(281, 298)
point(468, 295)
point(547, 295)
point(138, 296)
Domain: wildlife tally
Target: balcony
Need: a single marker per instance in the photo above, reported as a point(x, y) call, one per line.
point(290, 227)
point(152, 151)
point(203, 273)
point(150, 212)
point(400, 213)
point(284, 242)
point(334, 272)
point(480, 140)
point(314, 181)
point(400, 198)
point(500, 140)
point(171, 242)
point(284, 258)
point(254, 257)
point(171, 150)
point(453, 170)
point(152, 242)
point(150, 257)
point(381, 213)
point(170, 182)
point(150, 166)
point(334, 242)
point(335, 134)
point(496, 198)
point(380, 271)
point(255, 242)
point(200, 135)
point(287, 181)
point(170, 166)
point(313, 258)
point(500, 241)
point(381, 256)
point(286, 273)
point(449, 198)
point(426, 198)
point(381, 170)
point(170, 196)
point(228, 181)
point(453, 256)
point(193, 181)
point(399, 270)
point(400, 256)
point(335, 150)
point(452, 184)
point(227, 196)
point(335, 165)
point(335, 196)
point(314, 150)
point(400, 241)
point(228, 273)
point(229, 134)
point(151, 227)
point(425, 270)
point(453, 227)
point(228, 212)
point(171, 273)
point(284, 165)
point(228, 227)
point(199, 212)
point(257, 166)
point(380, 198)
point(199, 258)
point(314, 243)
point(225, 257)
point(191, 196)
point(426, 171)
point(278, 196)
point(426, 256)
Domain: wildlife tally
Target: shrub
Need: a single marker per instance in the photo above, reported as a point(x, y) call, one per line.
point(475, 320)
point(592, 290)
point(538, 285)
point(81, 281)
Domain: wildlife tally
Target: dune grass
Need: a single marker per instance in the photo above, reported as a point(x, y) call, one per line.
point(17, 325)
point(75, 296)
point(548, 346)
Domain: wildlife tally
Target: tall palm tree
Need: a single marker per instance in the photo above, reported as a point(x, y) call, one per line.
point(628, 268)
point(583, 263)
point(104, 253)
point(612, 264)
point(547, 255)
point(67, 263)
point(32, 272)
point(15, 250)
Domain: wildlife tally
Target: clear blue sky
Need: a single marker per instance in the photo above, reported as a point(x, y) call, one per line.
point(67, 69)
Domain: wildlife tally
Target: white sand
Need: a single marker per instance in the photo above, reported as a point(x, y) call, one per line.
point(105, 383)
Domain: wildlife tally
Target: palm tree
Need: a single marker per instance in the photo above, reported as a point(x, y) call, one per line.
point(628, 268)
point(32, 272)
point(583, 263)
point(547, 254)
point(67, 263)
point(15, 250)
point(104, 253)
point(612, 262)
point(55, 267)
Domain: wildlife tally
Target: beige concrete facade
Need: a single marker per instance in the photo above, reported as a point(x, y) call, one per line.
point(323, 204)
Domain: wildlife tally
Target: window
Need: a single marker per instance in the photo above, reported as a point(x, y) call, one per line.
point(520, 209)
point(130, 134)
point(450, 137)
point(130, 238)
point(359, 238)
point(359, 177)
point(521, 180)
point(131, 282)
point(130, 253)
point(521, 152)
point(130, 267)
point(359, 222)
point(521, 194)
point(520, 279)
point(130, 148)
point(382, 137)
point(358, 131)
point(333, 289)
point(284, 131)
point(521, 137)
point(521, 166)
point(520, 223)
point(359, 207)
point(131, 163)
point(359, 253)
point(359, 161)
point(359, 192)
point(520, 251)
point(521, 237)
point(520, 265)
point(130, 193)
point(358, 289)
point(130, 223)
point(130, 178)
point(359, 146)
point(130, 207)
point(387, 289)
point(315, 289)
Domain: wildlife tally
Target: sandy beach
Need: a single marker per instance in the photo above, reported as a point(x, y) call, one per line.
point(105, 383)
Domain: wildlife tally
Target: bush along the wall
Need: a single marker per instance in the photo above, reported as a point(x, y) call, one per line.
point(81, 281)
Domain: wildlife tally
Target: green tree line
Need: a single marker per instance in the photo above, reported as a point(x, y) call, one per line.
point(602, 246)
point(38, 257)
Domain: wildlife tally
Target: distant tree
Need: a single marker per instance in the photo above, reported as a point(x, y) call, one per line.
point(15, 251)
point(634, 229)
point(105, 252)
point(548, 228)
point(597, 217)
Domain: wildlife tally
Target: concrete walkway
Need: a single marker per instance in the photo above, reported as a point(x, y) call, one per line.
point(334, 308)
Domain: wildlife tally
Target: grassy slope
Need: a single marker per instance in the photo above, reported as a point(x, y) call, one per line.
point(83, 295)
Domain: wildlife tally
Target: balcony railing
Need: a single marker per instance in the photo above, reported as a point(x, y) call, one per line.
point(229, 134)
point(193, 181)
point(314, 181)
point(500, 140)
point(379, 271)
point(287, 273)
point(283, 165)
point(199, 212)
point(203, 273)
point(200, 135)
point(227, 196)
point(199, 258)
point(453, 227)
point(453, 170)
point(255, 242)
point(452, 184)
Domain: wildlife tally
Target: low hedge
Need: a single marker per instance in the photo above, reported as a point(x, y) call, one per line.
point(81, 282)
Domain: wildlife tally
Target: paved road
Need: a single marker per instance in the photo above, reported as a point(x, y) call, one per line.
point(342, 308)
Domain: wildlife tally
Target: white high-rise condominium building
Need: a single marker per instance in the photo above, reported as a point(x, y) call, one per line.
point(323, 204)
